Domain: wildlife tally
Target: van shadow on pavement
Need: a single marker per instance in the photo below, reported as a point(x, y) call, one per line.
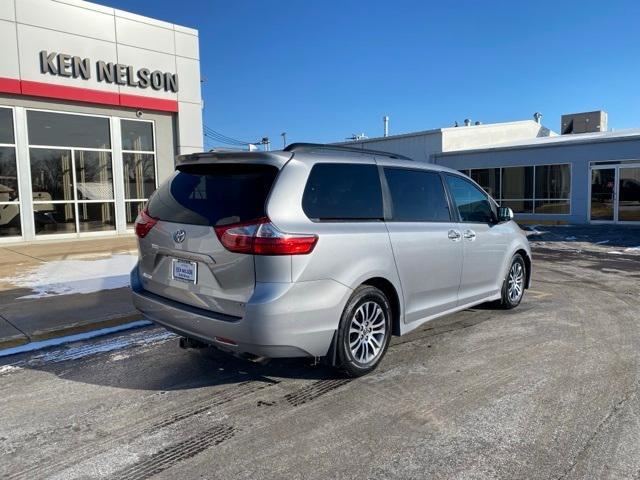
point(158, 365)
point(150, 358)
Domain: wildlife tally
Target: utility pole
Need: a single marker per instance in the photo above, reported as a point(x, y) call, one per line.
point(284, 139)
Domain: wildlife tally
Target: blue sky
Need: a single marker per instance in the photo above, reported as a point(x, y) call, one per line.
point(323, 70)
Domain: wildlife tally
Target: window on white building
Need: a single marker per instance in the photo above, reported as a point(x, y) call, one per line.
point(541, 189)
point(139, 159)
point(10, 224)
point(71, 173)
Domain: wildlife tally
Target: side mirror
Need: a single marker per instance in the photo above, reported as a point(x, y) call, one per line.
point(505, 214)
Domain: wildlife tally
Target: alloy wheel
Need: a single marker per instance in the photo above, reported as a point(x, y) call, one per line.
point(515, 286)
point(367, 332)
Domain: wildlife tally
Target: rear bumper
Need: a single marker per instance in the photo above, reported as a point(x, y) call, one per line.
point(281, 319)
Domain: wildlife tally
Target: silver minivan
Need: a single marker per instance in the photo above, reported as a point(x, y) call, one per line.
point(320, 251)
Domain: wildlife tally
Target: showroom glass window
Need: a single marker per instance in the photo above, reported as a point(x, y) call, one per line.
point(517, 189)
point(542, 189)
point(10, 225)
point(553, 186)
point(139, 162)
point(488, 179)
point(71, 172)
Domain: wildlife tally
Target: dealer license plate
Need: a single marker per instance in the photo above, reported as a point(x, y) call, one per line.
point(185, 270)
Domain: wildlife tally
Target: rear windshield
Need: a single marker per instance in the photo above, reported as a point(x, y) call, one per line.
point(213, 194)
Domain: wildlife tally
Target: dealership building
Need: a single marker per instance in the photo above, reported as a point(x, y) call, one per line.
point(585, 174)
point(94, 105)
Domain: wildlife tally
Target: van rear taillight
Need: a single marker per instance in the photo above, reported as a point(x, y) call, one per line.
point(144, 223)
point(261, 237)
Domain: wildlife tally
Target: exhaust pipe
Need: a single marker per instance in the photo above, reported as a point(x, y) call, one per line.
point(187, 343)
point(250, 357)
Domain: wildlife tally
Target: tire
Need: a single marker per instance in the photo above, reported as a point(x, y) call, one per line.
point(514, 283)
point(363, 336)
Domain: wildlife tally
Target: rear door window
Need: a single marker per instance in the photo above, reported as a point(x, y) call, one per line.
point(343, 191)
point(417, 196)
point(214, 194)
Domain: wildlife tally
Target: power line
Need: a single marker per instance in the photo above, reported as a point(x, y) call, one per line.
point(222, 137)
point(215, 139)
point(214, 136)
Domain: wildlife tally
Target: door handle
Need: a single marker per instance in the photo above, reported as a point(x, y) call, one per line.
point(470, 235)
point(454, 235)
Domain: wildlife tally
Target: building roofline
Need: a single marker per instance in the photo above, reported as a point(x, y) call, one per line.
point(390, 137)
point(550, 142)
point(436, 130)
point(128, 15)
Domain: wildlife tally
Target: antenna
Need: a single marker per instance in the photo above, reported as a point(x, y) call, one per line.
point(385, 121)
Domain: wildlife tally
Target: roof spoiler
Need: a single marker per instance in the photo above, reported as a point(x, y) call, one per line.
point(276, 158)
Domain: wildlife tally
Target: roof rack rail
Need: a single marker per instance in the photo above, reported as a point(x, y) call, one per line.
point(301, 147)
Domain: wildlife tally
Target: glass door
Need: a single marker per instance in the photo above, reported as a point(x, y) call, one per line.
point(71, 173)
point(603, 193)
point(629, 194)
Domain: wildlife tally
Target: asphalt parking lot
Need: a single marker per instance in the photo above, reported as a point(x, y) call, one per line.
point(546, 391)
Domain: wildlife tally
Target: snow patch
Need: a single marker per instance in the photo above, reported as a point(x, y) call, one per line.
point(533, 230)
point(65, 277)
point(80, 351)
point(626, 250)
point(8, 369)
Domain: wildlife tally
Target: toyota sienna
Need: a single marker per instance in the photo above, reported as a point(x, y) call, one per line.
point(320, 251)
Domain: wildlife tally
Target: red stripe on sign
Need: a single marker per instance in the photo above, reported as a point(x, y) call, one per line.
point(62, 92)
point(138, 101)
point(9, 85)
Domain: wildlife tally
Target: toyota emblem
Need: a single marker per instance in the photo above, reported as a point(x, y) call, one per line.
point(179, 236)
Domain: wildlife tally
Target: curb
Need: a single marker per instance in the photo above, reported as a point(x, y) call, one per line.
point(69, 330)
point(84, 327)
point(13, 342)
point(61, 341)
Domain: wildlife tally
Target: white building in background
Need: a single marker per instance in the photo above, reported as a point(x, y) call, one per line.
point(585, 175)
point(421, 146)
point(94, 105)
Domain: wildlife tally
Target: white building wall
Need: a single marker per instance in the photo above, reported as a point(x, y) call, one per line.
point(418, 147)
point(474, 136)
point(88, 30)
point(97, 33)
point(421, 146)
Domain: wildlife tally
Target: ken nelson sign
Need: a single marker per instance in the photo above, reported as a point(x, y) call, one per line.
point(65, 65)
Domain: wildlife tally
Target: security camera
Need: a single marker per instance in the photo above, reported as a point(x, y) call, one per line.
point(139, 113)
